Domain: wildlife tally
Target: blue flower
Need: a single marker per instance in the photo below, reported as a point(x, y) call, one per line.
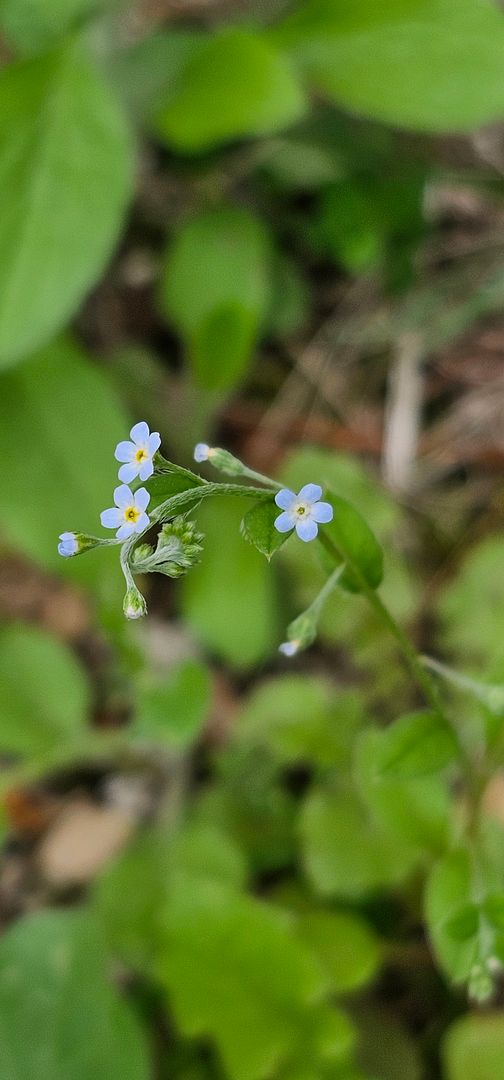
point(128, 515)
point(69, 545)
point(138, 453)
point(202, 452)
point(302, 512)
point(289, 648)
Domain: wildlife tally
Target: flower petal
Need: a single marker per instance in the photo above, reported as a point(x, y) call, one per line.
point(128, 472)
point(289, 648)
point(142, 523)
point(284, 522)
point(310, 493)
point(146, 469)
point(285, 498)
point(124, 451)
point(142, 497)
point(306, 530)
point(153, 442)
point(322, 512)
point(126, 530)
point(123, 496)
point(201, 451)
point(140, 432)
point(111, 518)
point(67, 536)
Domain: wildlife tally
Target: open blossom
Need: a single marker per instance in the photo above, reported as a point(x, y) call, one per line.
point(138, 454)
point(68, 545)
point(128, 515)
point(303, 512)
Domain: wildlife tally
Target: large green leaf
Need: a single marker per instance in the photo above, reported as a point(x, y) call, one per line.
point(236, 972)
point(59, 424)
point(356, 544)
point(32, 26)
point(349, 951)
point(174, 710)
point(45, 695)
point(234, 86)
point(215, 290)
point(65, 176)
point(416, 745)
point(228, 599)
point(474, 1048)
point(61, 1018)
point(435, 65)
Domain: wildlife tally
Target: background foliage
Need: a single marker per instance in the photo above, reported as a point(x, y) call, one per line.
point(279, 226)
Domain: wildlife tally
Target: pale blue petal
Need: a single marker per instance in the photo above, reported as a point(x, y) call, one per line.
point(111, 518)
point(126, 530)
point(123, 496)
point(288, 648)
point(201, 452)
point(306, 530)
point(67, 536)
point(128, 472)
point(285, 498)
point(285, 522)
point(140, 432)
point(310, 493)
point(142, 497)
point(146, 469)
point(142, 523)
point(153, 442)
point(322, 512)
point(124, 451)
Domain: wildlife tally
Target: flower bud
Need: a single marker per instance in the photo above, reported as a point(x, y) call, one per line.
point(72, 543)
point(301, 633)
point(134, 605)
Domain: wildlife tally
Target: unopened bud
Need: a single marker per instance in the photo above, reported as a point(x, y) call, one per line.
point(134, 605)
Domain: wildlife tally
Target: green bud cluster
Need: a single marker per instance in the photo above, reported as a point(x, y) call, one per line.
point(179, 547)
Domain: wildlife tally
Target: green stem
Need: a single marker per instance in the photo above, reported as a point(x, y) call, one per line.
point(411, 658)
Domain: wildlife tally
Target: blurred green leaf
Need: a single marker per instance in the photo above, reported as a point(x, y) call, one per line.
point(65, 175)
point(325, 1039)
point(258, 527)
point(215, 289)
point(147, 72)
point(345, 853)
point(416, 745)
point(33, 26)
point(289, 300)
point(432, 65)
point(478, 587)
point(473, 1048)
point(228, 599)
point(252, 1004)
point(449, 893)
point(45, 695)
point(59, 458)
point(173, 712)
point(236, 85)
point(348, 950)
point(62, 1019)
point(301, 720)
point(355, 542)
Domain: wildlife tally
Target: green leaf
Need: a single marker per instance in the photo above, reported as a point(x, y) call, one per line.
point(432, 65)
point(258, 527)
point(228, 598)
point(345, 853)
point(473, 1048)
point(356, 544)
point(448, 895)
point(65, 174)
point(301, 720)
point(33, 26)
point(147, 73)
point(416, 745)
point(45, 695)
point(251, 1005)
point(348, 950)
point(42, 419)
point(61, 1018)
point(236, 85)
point(173, 712)
point(215, 290)
point(325, 1039)
point(479, 586)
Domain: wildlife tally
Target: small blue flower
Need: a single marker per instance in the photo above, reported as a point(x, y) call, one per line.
point(128, 515)
point(202, 452)
point(69, 545)
point(302, 512)
point(289, 648)
point(138, 453)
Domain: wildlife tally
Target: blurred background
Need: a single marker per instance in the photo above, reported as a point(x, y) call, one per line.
point(277, 227)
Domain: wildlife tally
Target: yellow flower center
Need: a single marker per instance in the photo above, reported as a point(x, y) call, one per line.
point(141, 454)
point(132, 514)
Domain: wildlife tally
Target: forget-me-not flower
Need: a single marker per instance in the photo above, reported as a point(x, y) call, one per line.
point(138, 454)
point(128, 515)
point(303, 512)
point(69, 544)
point(202, 452)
